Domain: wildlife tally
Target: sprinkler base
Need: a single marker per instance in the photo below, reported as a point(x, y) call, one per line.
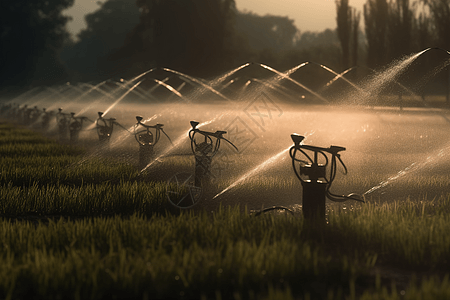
point(314, 195)
point(145, 155)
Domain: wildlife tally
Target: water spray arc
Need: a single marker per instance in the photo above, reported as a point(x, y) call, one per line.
point(147, 140)
point(284, 76)
point(171, 89)
point(199, 82)
point(313, 176)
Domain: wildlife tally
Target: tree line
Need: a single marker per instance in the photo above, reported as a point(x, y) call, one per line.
point(203, 38)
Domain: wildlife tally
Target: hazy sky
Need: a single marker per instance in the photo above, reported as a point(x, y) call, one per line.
point(313, 15)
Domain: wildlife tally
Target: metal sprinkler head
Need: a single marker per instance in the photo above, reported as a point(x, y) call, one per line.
point(297, 139)
point(100, 114)
point(194, 124)
point(139, 118)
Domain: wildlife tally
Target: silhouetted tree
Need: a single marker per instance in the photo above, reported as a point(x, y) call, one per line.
point(375, 19)
point(321, 47)
point(192, 36)
point(344, 29)
point(400, 26)
point(356, 17)
point(107, 27)
point(31, 33)
point(269, 32)
point(440, 15)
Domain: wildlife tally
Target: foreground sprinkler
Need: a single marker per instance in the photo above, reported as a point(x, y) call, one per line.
point(105, 128)
point(204, 151)
point(312, 173)
point(147, 140)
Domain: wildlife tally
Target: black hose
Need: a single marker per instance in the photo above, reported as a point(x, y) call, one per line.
point(273, 208)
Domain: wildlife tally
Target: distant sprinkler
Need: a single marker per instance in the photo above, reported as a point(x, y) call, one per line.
point(34, 115)
point(105, 128)
point(46, 117)
point(310, 166)
point(62, 120)
point(147, 136)
point(75, 126)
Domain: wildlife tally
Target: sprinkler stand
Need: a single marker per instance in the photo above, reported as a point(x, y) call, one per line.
point(147, 140)
point(75, 125)
point(204, 151)
point(62, 120)
point(313, 177)
point(104, 129)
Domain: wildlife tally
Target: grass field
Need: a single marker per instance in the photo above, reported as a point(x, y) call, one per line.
point(102, 230)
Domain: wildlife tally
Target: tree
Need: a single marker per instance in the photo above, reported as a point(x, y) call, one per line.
point(356, 17)
point(31, 33)
point(268, 32)
point(191, 36)
point(344, 29)
point(91, 57)
point(440, 14)
point(375, 19)
point(400, 26)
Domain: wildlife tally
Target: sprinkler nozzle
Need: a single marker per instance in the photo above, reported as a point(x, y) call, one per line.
point(336, 149)
point(100, 114)
point(194, 124)
point(139, 118)
point(357, 197)
point(297, 139)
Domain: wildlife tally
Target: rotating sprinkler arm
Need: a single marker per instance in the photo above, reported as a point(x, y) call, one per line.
point(162, 130)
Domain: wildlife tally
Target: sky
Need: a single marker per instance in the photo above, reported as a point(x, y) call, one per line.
point(308, 15)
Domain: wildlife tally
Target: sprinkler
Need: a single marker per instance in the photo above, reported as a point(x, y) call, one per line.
point(34, 115)
point(75, 126)
point(204, 151)
point(62, 120)
point(316, 181)
point(5, 108)
point(105, 128)
point(147, 140)
point(22, 113)
point(46, 116)
point(29, 115)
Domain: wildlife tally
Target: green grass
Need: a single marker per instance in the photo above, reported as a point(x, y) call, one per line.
point(77, 227)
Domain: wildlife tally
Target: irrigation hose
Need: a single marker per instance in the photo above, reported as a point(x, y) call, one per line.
point(259, 212)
